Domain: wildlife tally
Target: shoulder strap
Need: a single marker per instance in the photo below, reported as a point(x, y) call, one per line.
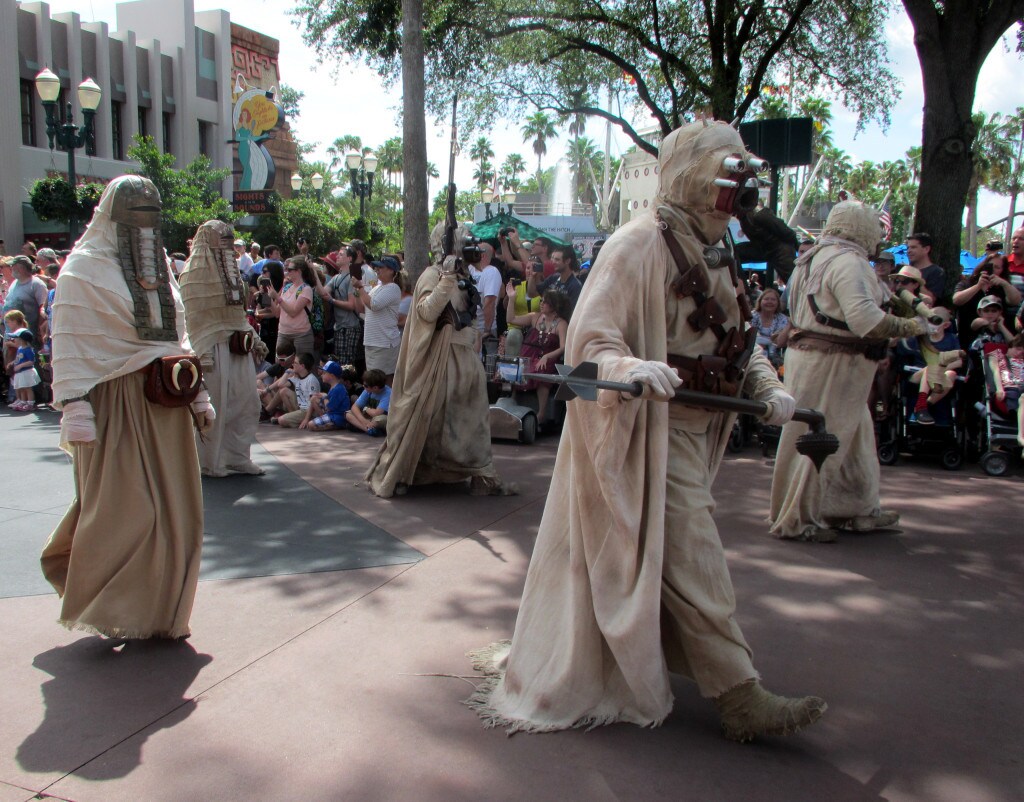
point(824, 319)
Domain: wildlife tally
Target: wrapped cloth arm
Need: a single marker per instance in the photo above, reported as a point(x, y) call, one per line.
point(891, 326)
point(432, 304)
point(77, 425)
point(762, 384)
point(203, 409)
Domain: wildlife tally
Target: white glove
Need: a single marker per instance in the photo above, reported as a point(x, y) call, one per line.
point(78, 424)
point(659, 380)
point(204, 412)
point(781, 406)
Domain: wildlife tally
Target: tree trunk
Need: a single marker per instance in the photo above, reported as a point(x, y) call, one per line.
point(1011, 225)
point(414, 141)
point(952, 39)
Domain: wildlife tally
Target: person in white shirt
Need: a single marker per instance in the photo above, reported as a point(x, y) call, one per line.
point(245, 262)
point(381, 335)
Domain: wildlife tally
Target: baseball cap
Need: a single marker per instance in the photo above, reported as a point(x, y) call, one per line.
point(47, 253)
point(885, 256)
point(990, 300)
point(240, 242)
point(390, 262)
point(333, 368)
point(24, 334)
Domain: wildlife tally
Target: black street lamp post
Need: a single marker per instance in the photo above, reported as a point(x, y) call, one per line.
point(66, 134)
point(316, 180)
point(361, 169)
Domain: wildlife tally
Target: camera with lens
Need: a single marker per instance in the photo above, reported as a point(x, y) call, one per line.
point(264, 281)
point(504, 232)
point(994, 245)
point(471, 251)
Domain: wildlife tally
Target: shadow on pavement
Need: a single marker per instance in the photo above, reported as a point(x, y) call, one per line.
point(101, 693)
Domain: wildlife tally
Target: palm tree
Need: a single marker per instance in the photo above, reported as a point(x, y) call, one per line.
point(483, 175)
point(511, 169)
point(340, 146)
point(540, 129)
point(1011, 184)
point(481, 152)
point(584, 161)
point(432, 170)
point(992, 159)
point(389, 159)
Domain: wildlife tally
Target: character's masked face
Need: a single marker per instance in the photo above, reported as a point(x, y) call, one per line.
point(708, 175)
point(737, 188)
point(135, 209)
point(219, 238)
point(856, 222)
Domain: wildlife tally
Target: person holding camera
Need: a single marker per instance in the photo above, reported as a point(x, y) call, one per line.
point(341, 295)
point(990, 277)
point(381, 335)
point(271, 278)
point(293, 305)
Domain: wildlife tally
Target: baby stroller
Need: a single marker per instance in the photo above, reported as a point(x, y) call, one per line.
point(902, 433)
point(998, 431)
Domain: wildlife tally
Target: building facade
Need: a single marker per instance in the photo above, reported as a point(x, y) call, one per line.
point(166, 72)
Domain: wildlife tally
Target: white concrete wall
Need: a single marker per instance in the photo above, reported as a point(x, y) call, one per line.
point(159, 26)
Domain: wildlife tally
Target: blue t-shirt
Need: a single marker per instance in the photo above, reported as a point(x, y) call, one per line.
point(25, 354)
point(338, 403)
point(381, 400)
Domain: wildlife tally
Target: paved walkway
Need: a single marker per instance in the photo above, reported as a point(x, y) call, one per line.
point(325, 616)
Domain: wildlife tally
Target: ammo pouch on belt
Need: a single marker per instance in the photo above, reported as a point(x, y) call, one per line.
point(706, 373)
point(173, 381)
point(241, 342)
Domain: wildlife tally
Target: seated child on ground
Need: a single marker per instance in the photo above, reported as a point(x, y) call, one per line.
point(370, 412)
point(327, 410)
point(291, 393)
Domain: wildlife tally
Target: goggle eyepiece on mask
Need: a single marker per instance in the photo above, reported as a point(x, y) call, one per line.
point(738, 194)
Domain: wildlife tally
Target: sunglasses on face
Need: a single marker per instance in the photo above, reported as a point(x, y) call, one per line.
point(904, 281)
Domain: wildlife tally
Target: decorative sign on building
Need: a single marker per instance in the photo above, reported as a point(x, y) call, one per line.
point(265, 154)
point(255, 116)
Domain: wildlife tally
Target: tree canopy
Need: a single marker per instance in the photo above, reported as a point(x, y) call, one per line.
point(189, 197)
point(670, 58)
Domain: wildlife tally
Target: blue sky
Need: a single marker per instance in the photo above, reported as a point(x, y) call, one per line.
point(349, 98)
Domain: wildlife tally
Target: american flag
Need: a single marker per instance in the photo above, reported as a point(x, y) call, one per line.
point(886, 220)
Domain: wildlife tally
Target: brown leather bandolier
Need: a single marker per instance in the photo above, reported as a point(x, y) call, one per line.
point(803, 340)
point(720, 373)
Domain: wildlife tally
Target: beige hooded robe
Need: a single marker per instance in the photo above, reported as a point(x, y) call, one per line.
point(438, 421)
point(214, 298)
point(837, 272)
point(628, 578)
point(125, 557)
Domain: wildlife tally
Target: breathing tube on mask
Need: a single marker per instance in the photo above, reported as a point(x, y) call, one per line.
point(738, 193)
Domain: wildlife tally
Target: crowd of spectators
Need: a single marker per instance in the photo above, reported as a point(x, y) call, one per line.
point(332, 325)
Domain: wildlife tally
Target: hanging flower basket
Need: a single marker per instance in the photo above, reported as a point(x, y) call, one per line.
point(53, 199)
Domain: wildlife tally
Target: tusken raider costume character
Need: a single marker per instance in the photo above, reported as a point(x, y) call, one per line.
point(628, 579)
point(125, 557)
point(214, 297)
point(840, 333)
point(438, 422)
